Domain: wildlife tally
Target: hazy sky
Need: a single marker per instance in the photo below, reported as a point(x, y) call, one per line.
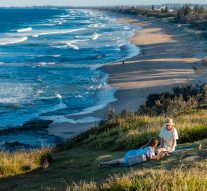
point(92, 2)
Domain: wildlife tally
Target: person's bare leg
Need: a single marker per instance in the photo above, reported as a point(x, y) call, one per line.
point(113, 162)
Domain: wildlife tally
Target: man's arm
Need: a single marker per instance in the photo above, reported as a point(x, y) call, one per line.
point(173, 145)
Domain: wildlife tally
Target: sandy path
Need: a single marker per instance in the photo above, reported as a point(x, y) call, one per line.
point(171, 54)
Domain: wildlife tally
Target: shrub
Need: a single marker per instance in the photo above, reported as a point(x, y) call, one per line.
point(181, 99)
point(43, 155)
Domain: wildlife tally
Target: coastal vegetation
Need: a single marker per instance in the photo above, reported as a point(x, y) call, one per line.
point(179, 100)
point(74, 164)
point(193, 16)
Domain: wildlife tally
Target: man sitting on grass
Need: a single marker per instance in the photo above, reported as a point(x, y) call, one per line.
point(168, 137)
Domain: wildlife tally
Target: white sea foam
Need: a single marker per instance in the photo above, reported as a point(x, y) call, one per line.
point(79, 96)
point(69, 44)
point(51, 32)
point(126, 28)
point(40, 92)
point(58, 96)
point(122, 44)
point(24, 29)
point(95, 36)
point(64, 16)
point(57, 55)
point(14, 93)
point(97, 25)
point(46, 63)
point(61, 119)
point(35, 35)
point(47, 24)
point(76, 41)
point(9, 41)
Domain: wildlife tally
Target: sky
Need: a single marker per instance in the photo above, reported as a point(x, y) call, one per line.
point(7, 3)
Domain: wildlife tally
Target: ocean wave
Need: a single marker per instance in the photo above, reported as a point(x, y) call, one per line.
point(122, 44)
point(84, 40)
point(58, 32)
point(46, 63)
point(95, 36)
point(14, 93)
point(25, 29)
point(78, 96)
point(47, 24)
point(69, 44)
point(126, 28)
point(13, 41)
point(57, 107)
point(57, 55)
point(59, 21)
point(97, 25)
point(40, 92)
point(64, 16)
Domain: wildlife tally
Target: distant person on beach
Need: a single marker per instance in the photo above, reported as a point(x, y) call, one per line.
point(123, 62)
point(144, 51)
point(168, 137)
point(148, 150)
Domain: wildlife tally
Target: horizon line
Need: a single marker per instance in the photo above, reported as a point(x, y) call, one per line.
point(76, 6)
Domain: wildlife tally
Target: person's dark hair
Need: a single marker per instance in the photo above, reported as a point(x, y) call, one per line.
point(153, 141)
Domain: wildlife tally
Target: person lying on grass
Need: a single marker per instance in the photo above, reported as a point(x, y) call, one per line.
point(148, 150)
point(168, 137)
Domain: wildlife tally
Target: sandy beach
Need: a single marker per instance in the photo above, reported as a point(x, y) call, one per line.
point(168, 62)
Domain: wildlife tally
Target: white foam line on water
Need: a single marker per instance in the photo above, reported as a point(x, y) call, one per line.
point(69, 44)
point(13, 41)
point(24, 29)
point(58, 32)
point(106, 94)
point(95, 36)
point(62, 119)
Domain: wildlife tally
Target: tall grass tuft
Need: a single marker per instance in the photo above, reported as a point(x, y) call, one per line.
point(151, 180)
point(22, 161)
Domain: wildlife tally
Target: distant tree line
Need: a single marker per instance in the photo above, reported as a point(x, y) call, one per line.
point(195, 15)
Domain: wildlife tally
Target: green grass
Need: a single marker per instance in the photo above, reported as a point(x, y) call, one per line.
point(75, 164)
point(151, 180)
point(132, 131)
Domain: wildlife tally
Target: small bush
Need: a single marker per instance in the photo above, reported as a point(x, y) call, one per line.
point(43, 155)
point(181, 99)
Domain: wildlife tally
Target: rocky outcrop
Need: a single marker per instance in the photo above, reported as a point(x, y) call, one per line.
point(37, 123)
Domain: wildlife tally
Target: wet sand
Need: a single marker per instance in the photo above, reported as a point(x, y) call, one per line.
point(168, 62)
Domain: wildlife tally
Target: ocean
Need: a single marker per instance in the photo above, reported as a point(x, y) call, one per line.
point(50, 60)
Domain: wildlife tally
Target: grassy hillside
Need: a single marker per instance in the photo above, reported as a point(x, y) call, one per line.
point(75, 164)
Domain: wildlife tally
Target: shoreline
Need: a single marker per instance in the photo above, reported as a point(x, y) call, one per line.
point(171, 55)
